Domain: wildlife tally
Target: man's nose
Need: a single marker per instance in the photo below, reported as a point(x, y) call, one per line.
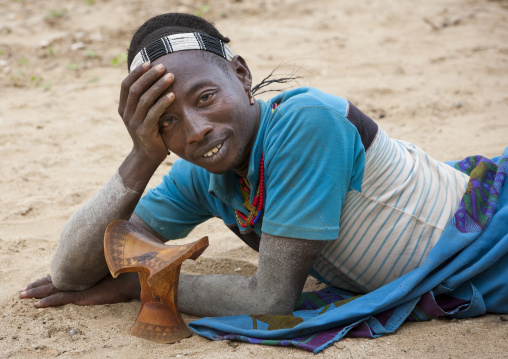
point(197, 128)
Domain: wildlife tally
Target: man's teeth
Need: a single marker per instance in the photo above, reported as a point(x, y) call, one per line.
point(213, 150)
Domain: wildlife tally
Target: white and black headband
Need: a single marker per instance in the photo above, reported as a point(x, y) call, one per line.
point(180, 42)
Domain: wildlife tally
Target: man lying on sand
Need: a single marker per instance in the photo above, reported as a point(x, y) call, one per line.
point(306, 179)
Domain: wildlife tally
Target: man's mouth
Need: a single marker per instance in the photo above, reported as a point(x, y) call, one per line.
point(213, 151)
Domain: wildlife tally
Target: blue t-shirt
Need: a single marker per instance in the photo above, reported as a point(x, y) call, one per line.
point(312, 156)
point(327, 165)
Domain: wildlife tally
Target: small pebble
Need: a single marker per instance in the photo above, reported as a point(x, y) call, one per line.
point(503, 318)
point(97, 37)
point(52, 352)
point(73, 332)
point(238, 269)
point(77, 46)
point(44, 43)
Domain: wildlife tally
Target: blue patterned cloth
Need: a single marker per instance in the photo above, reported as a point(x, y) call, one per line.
point(465, 275)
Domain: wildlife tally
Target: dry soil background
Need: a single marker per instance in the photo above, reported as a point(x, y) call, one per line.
point(431, 72)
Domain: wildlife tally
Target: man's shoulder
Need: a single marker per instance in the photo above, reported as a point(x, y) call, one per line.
point(309, 98)
point(305, 109)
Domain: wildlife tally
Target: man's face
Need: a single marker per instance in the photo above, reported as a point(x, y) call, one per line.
point(211, 122)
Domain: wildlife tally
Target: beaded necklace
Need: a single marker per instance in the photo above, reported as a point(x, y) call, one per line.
point(257, 203)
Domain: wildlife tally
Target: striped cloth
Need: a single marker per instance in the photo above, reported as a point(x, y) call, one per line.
point(388, 228)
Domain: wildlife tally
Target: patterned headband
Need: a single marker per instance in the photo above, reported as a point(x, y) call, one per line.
point(179, 42)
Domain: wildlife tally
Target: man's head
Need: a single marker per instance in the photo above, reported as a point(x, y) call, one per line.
point(169, 24)
point(211, 122)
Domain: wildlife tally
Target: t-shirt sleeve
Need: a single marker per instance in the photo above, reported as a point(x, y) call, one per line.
point(313, 155)
point(179, 203)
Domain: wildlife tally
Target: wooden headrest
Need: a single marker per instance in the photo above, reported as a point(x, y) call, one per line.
point(128, 248)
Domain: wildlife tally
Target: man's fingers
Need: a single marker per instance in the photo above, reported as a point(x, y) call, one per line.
point(38, 283)
point(150, 96)
point(127, 83)
point(39, 292)
point(154, 114)
point(139, 87)
point(59, 298)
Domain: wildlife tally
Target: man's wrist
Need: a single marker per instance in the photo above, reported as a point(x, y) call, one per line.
point(136, 170)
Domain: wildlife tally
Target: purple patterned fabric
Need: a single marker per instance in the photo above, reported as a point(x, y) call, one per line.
point(479, 201)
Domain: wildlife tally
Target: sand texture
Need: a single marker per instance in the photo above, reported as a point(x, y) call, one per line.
point(432, 72)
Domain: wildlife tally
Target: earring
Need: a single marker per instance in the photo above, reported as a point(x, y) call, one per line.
point(251, 98)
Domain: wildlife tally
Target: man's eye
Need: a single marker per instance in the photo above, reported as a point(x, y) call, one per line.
point(167, 122)
point(204, 98)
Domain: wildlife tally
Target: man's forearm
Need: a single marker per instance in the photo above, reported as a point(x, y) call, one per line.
point(78, 262)
point(284, 264)
point(221, 294)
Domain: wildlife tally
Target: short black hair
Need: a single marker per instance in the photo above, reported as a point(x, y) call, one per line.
point(170, 24)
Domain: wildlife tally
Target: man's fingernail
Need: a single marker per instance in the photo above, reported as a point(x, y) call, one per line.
point(23, 292)
point(146, 65)
point(159, 67)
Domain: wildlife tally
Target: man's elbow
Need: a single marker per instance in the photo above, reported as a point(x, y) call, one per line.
point(77, 265)
point(64, 277)
point(71, 271)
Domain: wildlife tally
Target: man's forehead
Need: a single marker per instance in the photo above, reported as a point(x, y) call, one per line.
point(191, 71)
point(191, 61)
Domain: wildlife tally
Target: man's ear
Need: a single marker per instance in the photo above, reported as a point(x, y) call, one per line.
point(241, 71)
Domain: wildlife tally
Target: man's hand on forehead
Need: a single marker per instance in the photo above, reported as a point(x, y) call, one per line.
point(141, 107)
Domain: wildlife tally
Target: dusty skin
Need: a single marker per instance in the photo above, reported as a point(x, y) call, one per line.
point(433, 73)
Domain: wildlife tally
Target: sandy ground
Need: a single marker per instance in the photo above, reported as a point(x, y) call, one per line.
point(431, 72)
